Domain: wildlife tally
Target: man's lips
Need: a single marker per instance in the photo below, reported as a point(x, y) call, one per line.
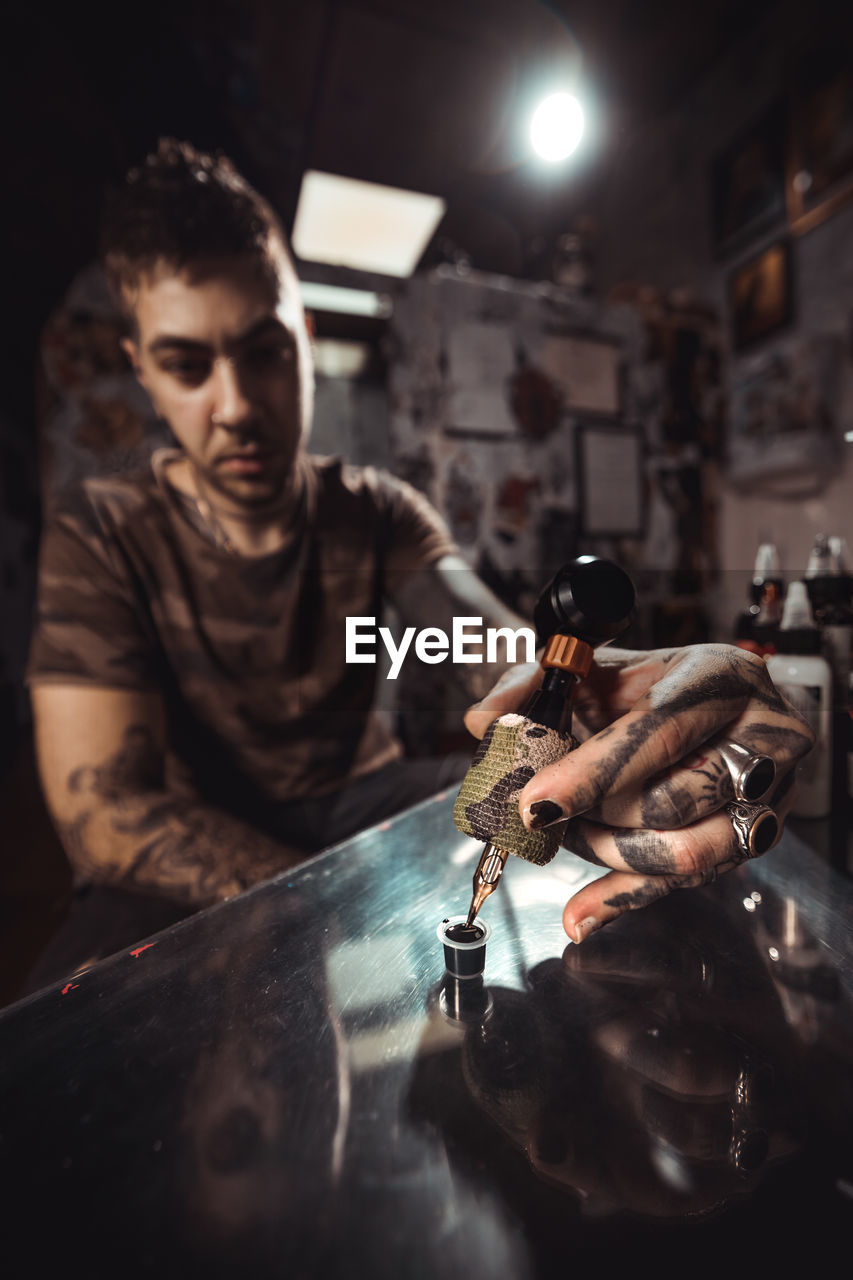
point(249, 463)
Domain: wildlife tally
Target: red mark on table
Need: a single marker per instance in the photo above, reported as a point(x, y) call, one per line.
point(69, 986)
point(139, 950)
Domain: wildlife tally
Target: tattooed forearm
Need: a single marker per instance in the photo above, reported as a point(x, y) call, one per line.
point(137, 765)
point(129, 832)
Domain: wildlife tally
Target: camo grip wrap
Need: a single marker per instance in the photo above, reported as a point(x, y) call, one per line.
point(512, 750)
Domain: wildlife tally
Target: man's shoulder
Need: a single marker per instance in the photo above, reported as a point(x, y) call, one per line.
point(338, 480)
point(99, 503)
point(368, 502)
point(333, 473)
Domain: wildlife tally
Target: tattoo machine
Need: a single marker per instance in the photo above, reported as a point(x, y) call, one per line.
point(588, 602)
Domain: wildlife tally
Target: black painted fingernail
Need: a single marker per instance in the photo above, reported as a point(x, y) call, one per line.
point(543, 813)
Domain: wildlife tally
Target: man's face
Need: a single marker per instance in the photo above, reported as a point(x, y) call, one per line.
point(224, 356)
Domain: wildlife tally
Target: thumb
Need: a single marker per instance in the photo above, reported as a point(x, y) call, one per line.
point(509, 694)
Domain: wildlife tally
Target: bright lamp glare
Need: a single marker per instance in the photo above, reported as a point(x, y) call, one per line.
point(556, 127)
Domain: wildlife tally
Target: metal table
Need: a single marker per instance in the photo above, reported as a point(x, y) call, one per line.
point(280, 1086)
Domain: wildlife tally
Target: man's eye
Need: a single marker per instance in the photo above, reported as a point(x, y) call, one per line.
point(192, 372)
point(270, 355)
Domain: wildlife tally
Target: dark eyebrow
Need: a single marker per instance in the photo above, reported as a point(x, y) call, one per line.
point(269, 324)
point(173, 342)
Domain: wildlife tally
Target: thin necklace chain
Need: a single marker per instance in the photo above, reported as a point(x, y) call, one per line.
point(212, 522)
point(221, 537)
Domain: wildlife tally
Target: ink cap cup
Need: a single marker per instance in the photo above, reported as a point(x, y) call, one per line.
point(464, 959)
point(464, 1001)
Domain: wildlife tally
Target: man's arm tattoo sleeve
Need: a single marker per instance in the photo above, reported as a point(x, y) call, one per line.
point(123, 828)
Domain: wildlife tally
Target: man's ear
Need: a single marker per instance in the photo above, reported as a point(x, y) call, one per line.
point(131, 350)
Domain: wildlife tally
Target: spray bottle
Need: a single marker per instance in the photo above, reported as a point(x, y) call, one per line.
point(830, 589)
point(756, 628)
point(804, 677)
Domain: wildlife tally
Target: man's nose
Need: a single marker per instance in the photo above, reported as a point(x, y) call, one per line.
point(233, 407)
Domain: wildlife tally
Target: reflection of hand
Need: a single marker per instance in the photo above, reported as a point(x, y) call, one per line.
point(640, 1085)
point(645, 790)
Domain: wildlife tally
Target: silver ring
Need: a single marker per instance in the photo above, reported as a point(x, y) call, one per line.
point(755, 826)
point(749, 1149)
point(752, 775)
point(754, 1084)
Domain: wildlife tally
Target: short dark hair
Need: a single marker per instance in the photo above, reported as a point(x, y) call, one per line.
point(181, 206)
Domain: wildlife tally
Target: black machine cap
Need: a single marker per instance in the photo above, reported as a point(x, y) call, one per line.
point(589, 597)
point(797, 640)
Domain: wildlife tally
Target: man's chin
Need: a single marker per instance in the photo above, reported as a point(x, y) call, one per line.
point(252, 492)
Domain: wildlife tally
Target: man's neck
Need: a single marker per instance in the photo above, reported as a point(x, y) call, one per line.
point(242, 530)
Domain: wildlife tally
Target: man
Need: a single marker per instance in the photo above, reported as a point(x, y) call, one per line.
point(198, 729)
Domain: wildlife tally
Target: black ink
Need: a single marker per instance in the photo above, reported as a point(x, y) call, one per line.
point(464, 933)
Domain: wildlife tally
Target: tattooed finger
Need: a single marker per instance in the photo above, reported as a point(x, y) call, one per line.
point(682, 852)
point(700, 785)
point(629, 886)
point(614, 894)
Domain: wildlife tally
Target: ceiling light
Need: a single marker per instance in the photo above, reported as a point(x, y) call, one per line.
point(362, 225)
point(557, 126)
point(343, 301)
point(335, 358)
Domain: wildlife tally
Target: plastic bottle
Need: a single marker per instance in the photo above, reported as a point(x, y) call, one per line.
point(830, 589)
point(804, 677)
point(756, 628)
point(820, 558)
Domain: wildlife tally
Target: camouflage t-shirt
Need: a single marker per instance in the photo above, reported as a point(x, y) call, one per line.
point(248, 652)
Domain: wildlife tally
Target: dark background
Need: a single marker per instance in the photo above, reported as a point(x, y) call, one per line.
point(424, 94)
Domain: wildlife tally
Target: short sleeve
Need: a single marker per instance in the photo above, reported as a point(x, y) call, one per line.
point(88, 625)
point(416, 535)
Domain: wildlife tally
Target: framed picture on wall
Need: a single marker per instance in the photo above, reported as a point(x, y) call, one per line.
point(748, 182)
point(820, 155)
point(611, 492)
point(587, 369)
point(760, 295)
point(784, 421)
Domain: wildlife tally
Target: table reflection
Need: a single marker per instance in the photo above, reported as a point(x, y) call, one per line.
point(640, 1073)
point(290, 1082)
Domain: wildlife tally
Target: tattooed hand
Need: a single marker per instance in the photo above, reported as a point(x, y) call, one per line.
point(643, 793)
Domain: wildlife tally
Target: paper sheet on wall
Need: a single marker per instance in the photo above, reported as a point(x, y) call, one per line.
point(585, 370)
point(481, 359)
point(612, 482)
